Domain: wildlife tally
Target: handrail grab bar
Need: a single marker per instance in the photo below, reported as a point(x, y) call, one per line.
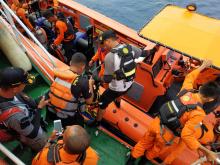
point(4, 150)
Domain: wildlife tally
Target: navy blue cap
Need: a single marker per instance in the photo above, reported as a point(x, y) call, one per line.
point(12, 76)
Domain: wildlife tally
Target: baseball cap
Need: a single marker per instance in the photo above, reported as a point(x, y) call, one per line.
point(106, 35)
point(12, 76)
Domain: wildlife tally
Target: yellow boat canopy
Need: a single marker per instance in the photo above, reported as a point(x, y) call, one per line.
point(187, 32)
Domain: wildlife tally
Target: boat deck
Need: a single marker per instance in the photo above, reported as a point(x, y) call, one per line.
point(111, 152)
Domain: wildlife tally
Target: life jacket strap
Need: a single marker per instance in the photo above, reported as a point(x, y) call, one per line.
point(53, 155)
point(69, 101)
point(203, 129)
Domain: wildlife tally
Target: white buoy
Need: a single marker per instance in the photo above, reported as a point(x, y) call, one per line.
point(12, 50)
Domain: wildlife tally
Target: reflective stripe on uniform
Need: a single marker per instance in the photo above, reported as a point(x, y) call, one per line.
point(63, 83)
point(174, 106)
point(128, 62)
point(127, 74)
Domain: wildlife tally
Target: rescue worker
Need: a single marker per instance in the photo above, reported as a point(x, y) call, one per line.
point(70, 92)
point(73, 149)
point(185, 124)
point(120, 68)
point(99, 55)
point(65, 33)
point(21, 13)
point(20, 115)
point(159, 141)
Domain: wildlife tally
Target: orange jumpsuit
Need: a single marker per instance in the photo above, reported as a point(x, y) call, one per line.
point(20, 12)
point(155, 144)
point(41, 157)
point(61, 28)
point(100, 55)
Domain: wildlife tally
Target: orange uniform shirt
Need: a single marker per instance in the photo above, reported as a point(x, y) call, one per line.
point(20, 12)
point(100, 55)
point(192, 118)
point(61, 29)
point(41, 157)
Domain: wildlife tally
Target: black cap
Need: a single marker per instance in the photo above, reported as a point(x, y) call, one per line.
point(106, 35)
point(13, 76)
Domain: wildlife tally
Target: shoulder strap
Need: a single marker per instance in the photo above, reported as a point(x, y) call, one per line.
point(27, 100)
point(114, 50)
point(184, 91)
point(53, 155)
point(203, 129)
point(81, 158)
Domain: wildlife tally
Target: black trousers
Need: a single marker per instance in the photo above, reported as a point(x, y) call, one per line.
point(77, 119)
point(68, 47)
point(108, 96)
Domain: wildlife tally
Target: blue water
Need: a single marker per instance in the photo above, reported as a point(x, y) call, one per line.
point(135, 13)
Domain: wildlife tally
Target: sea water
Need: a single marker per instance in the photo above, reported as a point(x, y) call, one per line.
point(135, 13)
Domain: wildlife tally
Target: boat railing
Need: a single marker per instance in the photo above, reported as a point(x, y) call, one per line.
point(11, 16)
point(10, 155)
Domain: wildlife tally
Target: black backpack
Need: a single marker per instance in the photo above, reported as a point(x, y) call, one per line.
point(127, 66)
point(171, 111)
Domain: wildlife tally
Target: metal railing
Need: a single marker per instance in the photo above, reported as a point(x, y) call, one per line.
point(11, 16)
point(10, 155)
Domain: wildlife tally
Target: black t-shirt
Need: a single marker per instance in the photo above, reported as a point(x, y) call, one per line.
point(81, 88)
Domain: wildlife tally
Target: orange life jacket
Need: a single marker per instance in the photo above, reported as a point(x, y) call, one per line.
point(61, 98)
point(171, 111)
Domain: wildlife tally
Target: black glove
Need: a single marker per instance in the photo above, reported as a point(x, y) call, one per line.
point(93, 123)
point(130, 161)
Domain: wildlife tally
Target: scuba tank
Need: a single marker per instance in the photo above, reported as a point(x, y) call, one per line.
point(41, 36)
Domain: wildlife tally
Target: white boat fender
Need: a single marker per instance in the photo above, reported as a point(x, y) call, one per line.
point(14, 53)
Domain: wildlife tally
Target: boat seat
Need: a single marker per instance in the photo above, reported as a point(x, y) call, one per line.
point(79, 35)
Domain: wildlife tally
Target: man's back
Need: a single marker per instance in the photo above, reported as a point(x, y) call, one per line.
point(112, 64)
point(73, 149)
point(90, 159)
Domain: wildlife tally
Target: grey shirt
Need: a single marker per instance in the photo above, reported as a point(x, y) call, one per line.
point(112, 63)
point(21, 123)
